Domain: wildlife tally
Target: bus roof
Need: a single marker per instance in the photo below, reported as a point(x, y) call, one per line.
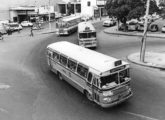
point(95, 60)
point(71, 17)
point(85, 26)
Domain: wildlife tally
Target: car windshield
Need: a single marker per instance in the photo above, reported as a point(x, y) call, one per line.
point(13, 25)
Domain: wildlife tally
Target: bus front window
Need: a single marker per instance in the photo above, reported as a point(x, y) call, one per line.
point(109, 81)
point(61, 25)
point(83, 35)
point(92, 35)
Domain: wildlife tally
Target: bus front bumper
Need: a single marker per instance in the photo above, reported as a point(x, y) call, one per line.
point(88, 45)
point(120, 100)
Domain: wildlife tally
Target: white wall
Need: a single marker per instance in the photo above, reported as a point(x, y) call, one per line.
point(87, 10)
point(13, 14)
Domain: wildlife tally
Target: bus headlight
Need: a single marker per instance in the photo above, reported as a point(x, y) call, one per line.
point(108, 93)
point(107, 99)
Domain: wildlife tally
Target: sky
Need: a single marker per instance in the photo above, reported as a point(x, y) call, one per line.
point(6, 4)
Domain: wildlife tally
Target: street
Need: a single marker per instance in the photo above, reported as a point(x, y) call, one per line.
point(30, 91)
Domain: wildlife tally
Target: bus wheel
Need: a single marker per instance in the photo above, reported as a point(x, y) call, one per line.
point(60, 76)
point(89, 96)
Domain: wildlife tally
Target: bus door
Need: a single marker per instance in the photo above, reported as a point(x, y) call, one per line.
point(95, 89)
point(92, 83)
point(50, 54)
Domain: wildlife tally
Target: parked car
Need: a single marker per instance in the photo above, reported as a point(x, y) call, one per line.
point(14, 26)
point(154, 28)
point(140, 27)
point(26, 24)
point(123, 27)
point(2, 29)
point(132, 26)
point(109, 22)
point(163, 29)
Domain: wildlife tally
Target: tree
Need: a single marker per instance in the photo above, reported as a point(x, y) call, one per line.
point(162, 9)
point(125, 10)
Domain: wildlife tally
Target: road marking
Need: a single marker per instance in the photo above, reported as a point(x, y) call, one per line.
point(139, 115)
point(4, 86)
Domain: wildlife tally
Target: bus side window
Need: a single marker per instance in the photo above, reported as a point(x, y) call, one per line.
point(72, 65)
point(63, 60)
point(55, 56)
point(49, 54)
point(89, 77)
point(81, 70)
point(95, 82)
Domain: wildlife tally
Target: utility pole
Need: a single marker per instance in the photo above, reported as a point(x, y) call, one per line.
point(143, 46)
point(49, 16)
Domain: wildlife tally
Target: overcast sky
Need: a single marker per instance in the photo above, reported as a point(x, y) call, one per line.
point(5, 4)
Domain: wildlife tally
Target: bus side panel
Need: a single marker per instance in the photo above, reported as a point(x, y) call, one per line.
point(72, 78)
point(54, 66)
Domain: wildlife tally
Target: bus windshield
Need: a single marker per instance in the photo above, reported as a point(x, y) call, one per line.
point(109, 81)
point(61, 25)
point(114, 79)
point(87, 35)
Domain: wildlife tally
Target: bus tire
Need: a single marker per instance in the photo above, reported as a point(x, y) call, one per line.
point(88, 95)
point(59, 76)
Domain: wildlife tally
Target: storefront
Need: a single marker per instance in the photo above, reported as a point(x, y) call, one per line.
point(93, 8)
point(31, 13)
point(67, 8)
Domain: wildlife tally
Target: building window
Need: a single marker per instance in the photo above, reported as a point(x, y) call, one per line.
point(88, 3)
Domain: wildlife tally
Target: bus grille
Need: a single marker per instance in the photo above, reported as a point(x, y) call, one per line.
point(119, 90)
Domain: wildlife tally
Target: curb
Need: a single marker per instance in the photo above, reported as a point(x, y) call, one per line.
point(28, 35)
point(134, 34)
point(147, 64)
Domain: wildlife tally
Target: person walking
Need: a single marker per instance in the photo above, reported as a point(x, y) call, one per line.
point(31, 31)
point(18, 30)
point(1, 36)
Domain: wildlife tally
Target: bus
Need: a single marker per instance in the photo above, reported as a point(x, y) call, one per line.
point(103, 79)
point(67, 25)
point(86, 35)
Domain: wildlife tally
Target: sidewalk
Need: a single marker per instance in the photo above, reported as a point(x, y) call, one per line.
point(152, 59)
point(113, 30)
point(46, 29)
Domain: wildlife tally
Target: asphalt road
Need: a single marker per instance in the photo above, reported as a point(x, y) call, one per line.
point(29, 91)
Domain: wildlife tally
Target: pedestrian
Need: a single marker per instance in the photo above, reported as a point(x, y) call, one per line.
point(18, 30)
point(31, 31)
point(9, 31)
point(1, 36)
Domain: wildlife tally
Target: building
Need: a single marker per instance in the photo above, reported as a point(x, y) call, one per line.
point(69, 7)
point(6, 6)
point(31, 13)
point(93, 8)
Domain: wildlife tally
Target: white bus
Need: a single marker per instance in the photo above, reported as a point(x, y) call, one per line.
point(67, 25)
point(86, 35)
point(103, 79)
